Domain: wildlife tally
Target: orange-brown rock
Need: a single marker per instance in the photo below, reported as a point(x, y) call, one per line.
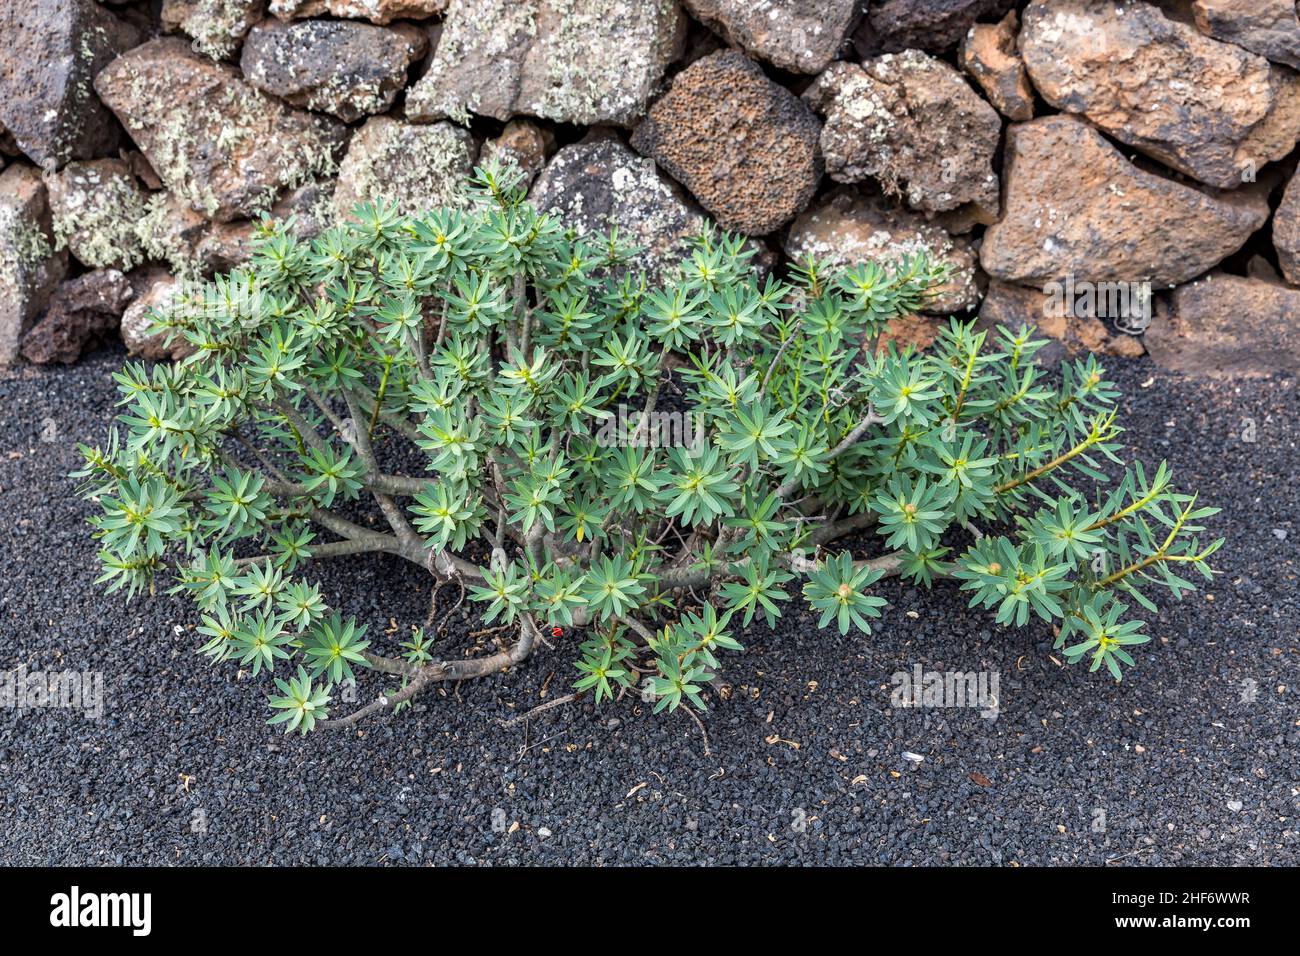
point(1227, 326)
point(743, 146)
point(988, 53)
point(1074, 206)
point(1208, 109)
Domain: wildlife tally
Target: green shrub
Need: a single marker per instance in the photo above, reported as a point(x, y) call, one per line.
point(496, 349)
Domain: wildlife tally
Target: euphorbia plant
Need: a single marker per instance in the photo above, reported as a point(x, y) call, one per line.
point(462, 374)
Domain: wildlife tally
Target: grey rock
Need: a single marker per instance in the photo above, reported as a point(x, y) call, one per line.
point(1267, 27)
point(914, 124)
point(82, 312)
point(420, 167)
point(801, 36)
point(341, 67)
point(217, 26)
point(97, 206)
point(846, 229)
point(599, 183)
point(29, 267)
point(937, 25)
point(50, 51)
point(572, 61)
point(376, 11)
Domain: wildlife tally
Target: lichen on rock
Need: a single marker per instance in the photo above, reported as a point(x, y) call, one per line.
point(30, 268)
point(912, 123)
point(223, 146)
point(599, 184)
point(420, 167)
point(340, 67)
point(572, 61)
point(216, 26)
point(847, 228)
point(376, 11)
point(97, 206)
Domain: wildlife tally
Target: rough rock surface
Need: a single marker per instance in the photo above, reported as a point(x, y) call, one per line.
point(599, 183)
point(572, 61)
point(51, 51)
point(988, 53)
point(743, 146)
point(97, 206)
point(1286, 231)
point(156, 289)
point(226, 148)
point(1208, 109)
point(193, 247)
point(896, 25)
point(82, 312)
point(523, 144)
point(341, 67)
point(1075, 206)
point(376, 11)
point(217, 26)
point(847, 228)
point(1014, 306)
point(801, 36)
point(913, 123)
point(1267, 27)
point(420, 167)
point(1226, 325)
point(29, 266)
point(222, 246)
point(171, 231)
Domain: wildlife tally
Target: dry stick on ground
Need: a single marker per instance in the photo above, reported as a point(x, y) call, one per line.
point(444, 671)
point(699, 723)
point(540, 709)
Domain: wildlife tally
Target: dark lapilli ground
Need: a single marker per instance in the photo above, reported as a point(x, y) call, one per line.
point(1193, 759)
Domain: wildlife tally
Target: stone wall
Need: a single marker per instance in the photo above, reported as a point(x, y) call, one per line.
point(1117, 173)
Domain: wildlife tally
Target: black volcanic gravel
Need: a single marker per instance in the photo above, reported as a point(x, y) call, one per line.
point(1192, 760)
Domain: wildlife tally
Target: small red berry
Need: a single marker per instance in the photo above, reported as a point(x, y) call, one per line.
point(557, 631)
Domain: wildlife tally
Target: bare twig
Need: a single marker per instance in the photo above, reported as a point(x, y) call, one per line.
point(445, 671)
point(540, 709)
point(698, 723)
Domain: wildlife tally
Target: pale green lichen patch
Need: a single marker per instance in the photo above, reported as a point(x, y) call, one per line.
point(23, 247)
point(418, 167)
point(96, 207)
point(574, 61)
point(169, 232)
point(224, 147)
point(216, 26)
